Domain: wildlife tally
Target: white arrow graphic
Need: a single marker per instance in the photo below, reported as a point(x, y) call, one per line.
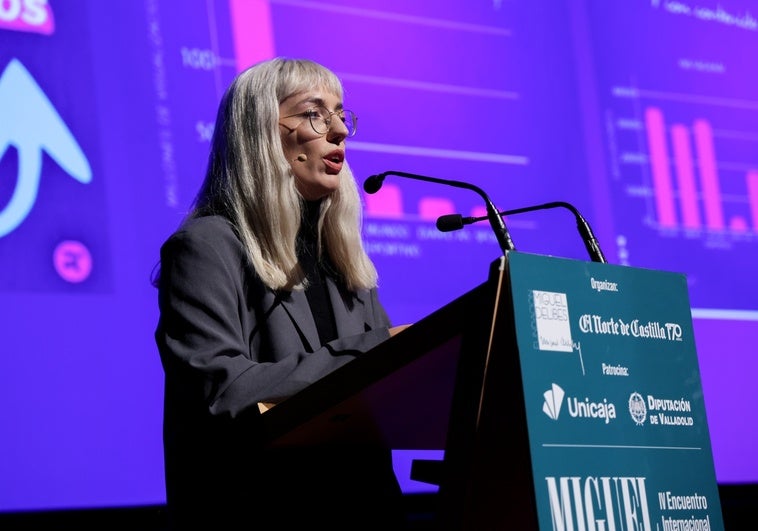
point(29, 122)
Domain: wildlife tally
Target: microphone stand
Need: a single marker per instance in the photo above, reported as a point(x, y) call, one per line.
point(452, 222)
point(374, 182)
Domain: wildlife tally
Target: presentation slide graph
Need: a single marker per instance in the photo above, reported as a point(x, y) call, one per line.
point(686, 180)
point(388, 203)
point(252, 31)
point(685, 166)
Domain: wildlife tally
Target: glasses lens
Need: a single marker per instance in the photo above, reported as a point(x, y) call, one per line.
point(321, 120)
point(351, 122)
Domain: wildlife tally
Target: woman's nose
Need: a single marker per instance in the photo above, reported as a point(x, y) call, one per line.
point(337, 130)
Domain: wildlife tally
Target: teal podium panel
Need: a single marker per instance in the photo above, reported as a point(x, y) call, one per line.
point(566, 395)
point(616, 421)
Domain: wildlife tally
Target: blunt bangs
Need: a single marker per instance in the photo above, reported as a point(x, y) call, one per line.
point(300, 75)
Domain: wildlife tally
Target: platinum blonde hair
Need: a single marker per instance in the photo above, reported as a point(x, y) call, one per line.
point(250, 182)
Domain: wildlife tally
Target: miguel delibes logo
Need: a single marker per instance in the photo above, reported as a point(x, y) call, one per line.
point(602, 410)
point(551, 320)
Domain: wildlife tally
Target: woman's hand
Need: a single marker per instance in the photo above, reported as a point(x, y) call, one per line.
point(397, 329)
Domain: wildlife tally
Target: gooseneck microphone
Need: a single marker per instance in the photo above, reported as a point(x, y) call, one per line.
point(374, 183)
point(451, 222)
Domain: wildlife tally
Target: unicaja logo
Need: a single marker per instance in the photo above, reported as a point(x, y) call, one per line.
point(584, 409)
point(553, 401)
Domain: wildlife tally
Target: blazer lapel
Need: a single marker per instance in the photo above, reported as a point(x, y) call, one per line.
point(348, 313)
point(295, 304)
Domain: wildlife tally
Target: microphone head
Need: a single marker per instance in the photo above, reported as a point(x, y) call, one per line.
point(449, 222)
point(373, 183)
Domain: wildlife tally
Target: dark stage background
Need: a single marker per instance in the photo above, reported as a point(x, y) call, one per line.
point(641, 113)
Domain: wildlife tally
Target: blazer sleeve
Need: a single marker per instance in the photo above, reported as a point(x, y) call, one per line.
point(221, 334)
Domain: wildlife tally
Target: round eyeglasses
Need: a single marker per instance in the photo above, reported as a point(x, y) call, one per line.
point(321, 119)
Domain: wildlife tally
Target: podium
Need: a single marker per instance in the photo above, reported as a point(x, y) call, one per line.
point(565, 395)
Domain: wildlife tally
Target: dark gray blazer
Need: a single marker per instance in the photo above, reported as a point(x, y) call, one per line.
point(227, 342)
point(249, 343)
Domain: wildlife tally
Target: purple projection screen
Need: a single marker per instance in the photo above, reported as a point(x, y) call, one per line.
point(642, 114)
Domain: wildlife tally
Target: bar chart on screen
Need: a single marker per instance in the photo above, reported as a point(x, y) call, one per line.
point(252, 31)
point(686, 181)
point(389, 203)
point(685, 165)
point(690, 161)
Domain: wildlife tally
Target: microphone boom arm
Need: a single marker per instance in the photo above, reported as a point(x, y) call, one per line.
point(456, 221)
point(497, 223)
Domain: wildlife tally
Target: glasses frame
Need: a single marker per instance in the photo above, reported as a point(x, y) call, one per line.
point(327, 121)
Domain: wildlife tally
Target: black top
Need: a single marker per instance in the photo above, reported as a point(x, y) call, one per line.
point(316, 269)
